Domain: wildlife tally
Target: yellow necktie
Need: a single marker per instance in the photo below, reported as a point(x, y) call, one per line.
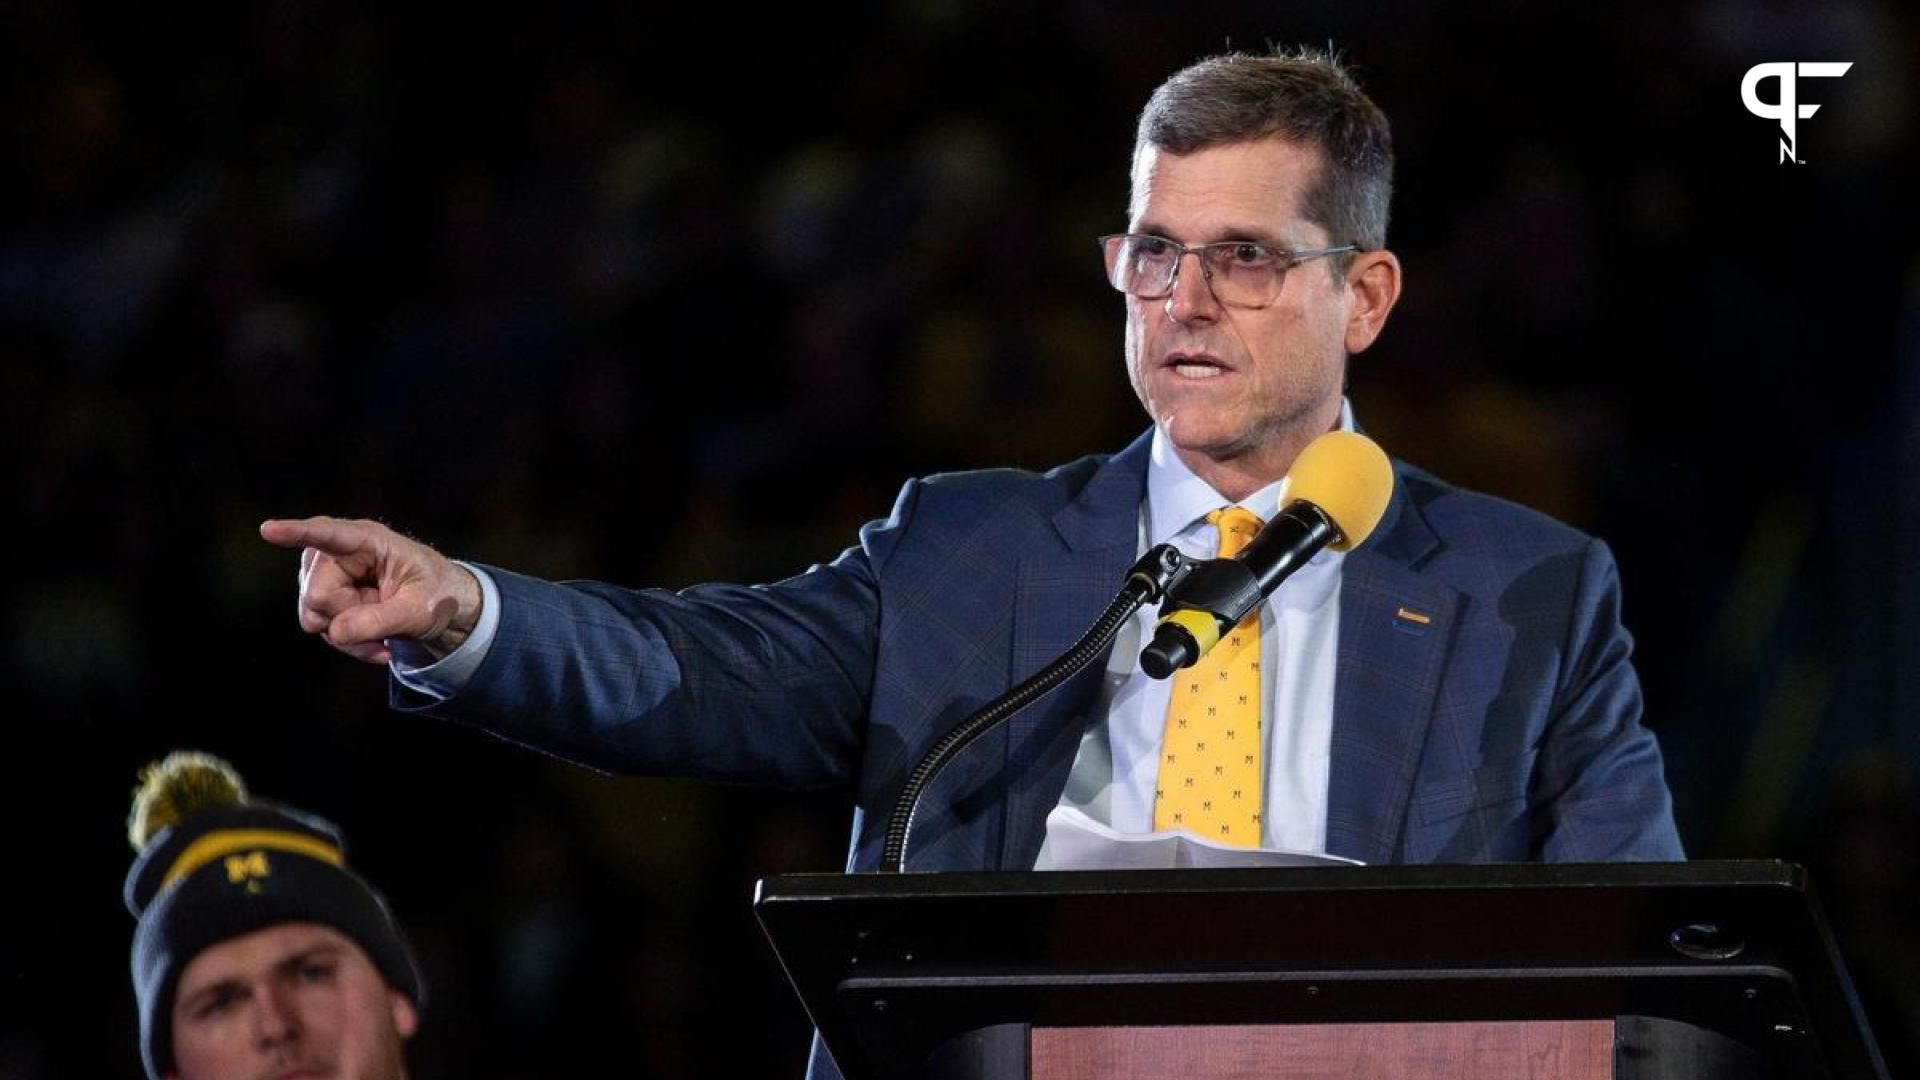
point(1209, 782)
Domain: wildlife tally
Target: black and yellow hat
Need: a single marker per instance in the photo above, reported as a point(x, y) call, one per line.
point(215, 864)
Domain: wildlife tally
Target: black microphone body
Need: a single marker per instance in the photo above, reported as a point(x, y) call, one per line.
point(1282, 546)
point(1223, 591)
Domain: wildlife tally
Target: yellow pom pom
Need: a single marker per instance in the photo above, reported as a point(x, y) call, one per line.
point(176, 788)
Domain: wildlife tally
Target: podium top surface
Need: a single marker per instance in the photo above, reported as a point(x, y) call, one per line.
point(1747, 874)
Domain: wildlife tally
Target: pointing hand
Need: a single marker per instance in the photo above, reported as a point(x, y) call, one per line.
point(362, 584)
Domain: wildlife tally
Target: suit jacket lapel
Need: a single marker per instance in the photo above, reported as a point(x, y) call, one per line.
point(1059, 591)
point(1395, 629)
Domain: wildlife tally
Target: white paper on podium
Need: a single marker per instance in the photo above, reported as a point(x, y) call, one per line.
point(1077, 842)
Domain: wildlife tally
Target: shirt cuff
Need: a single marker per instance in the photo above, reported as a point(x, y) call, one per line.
point(415, 668)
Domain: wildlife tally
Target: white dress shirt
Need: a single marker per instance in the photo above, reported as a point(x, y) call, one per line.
point(1114, 772)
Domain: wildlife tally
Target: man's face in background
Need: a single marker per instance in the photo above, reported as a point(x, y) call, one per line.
point(298, 1000)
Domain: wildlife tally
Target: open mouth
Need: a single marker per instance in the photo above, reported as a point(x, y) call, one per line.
point(1195, 366)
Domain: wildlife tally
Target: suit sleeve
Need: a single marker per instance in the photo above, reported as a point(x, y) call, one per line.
point(1604, 788)
point(750, 683)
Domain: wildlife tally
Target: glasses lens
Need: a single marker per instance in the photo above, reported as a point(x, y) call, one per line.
point(1245, 275)
point(1141, 265)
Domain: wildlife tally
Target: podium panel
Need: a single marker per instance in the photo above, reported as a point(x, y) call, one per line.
point(1563, 1050)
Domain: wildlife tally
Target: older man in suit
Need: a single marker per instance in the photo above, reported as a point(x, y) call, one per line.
point(1457, 689)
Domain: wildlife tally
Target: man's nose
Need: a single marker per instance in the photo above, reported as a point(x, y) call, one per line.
point(1191, 298)
point(277, 1018)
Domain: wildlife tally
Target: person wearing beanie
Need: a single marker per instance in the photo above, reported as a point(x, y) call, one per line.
point(257, 952)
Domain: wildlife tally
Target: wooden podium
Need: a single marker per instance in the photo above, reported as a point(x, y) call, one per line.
point(1651, 970)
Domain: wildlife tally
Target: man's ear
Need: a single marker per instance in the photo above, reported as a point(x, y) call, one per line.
point(406, 1019)
point(1374, 278)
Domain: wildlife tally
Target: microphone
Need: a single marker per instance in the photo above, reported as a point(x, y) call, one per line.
point(1333, 496)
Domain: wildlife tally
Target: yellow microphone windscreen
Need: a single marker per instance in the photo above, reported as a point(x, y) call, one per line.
point(1347, 475)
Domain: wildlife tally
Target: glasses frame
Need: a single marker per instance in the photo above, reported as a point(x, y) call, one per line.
point(1289, 260)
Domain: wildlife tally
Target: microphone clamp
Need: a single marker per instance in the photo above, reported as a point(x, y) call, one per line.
point(1213, 597)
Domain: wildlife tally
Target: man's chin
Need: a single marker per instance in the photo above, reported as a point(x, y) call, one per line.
point(1203, 440)
point(306, 1070)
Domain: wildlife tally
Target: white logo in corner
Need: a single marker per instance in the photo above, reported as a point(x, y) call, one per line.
point(1788, 110)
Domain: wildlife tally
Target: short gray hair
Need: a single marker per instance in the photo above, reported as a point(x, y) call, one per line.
point(1304, 96)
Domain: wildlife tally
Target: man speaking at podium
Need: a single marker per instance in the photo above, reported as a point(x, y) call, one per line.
point(1456, 689)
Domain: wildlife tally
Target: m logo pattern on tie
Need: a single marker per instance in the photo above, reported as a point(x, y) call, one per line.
point(1209, 783)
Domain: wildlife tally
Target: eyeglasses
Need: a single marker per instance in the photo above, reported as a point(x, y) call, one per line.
point(1240, 272)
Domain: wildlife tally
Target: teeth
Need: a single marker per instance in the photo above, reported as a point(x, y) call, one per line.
point(1196, 371)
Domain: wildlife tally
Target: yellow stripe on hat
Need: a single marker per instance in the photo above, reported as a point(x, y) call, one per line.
point(225, 842)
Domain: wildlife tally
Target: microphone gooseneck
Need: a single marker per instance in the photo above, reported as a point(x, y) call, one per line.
point(1148, 580)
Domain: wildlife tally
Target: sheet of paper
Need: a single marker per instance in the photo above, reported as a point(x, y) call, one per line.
point(1077, 842)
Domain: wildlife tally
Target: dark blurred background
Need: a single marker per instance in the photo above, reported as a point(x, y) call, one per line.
point(664, 294)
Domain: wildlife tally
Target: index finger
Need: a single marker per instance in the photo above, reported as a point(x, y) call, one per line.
point(331, 535)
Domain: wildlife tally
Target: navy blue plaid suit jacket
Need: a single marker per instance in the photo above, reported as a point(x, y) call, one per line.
point(1485, 706)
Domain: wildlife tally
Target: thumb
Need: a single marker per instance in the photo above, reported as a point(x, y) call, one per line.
point(372, 623)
